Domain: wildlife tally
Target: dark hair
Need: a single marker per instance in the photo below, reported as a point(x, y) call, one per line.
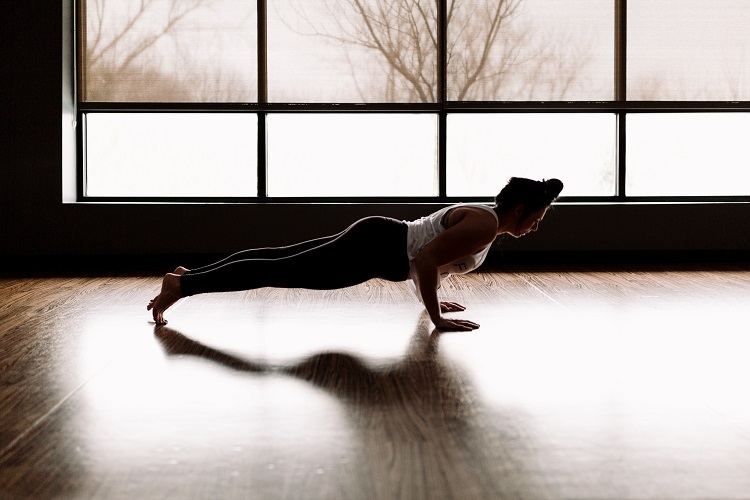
point(533, 195)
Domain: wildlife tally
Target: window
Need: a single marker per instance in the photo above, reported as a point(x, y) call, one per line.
point(168, 154)
point(688, 50)
point(284, 100)
point(189, 51)
point(485, 149)
point(531, 50)
point(344, 51)
point(352, 154)
point(680, 154)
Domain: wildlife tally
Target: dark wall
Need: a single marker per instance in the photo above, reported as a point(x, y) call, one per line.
point(35, 222)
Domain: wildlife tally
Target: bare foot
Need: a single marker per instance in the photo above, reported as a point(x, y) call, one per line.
point(179, 272)
point(169, 294)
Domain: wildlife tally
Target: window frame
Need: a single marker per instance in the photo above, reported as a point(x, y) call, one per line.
point(620, 107)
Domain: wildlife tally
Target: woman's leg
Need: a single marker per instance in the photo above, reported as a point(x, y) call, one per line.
point(254, 253)
point(369, 248)
point(265, 253)
point(349, 258)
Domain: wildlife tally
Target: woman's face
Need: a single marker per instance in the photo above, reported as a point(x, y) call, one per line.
point(530, 223)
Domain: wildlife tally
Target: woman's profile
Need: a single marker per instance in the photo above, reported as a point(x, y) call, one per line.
point(453, 240)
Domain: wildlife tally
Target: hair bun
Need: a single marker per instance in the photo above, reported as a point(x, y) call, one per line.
point(552, 188)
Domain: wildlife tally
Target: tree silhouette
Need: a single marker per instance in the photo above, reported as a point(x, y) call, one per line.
point(489, 54)
point(122, 56)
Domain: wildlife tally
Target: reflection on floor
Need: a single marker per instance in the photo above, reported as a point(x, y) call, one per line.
point(577, 385)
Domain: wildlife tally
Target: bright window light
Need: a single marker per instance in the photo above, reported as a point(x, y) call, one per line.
point(484, 150)
point(688, 154)
point(171, 154)
point(372, 154)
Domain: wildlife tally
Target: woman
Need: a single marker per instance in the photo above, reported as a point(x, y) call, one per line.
point(453, 240)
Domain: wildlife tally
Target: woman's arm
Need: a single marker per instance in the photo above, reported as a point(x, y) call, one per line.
point(469, 231)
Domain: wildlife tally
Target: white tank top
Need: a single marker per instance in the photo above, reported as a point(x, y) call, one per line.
point(422, 231)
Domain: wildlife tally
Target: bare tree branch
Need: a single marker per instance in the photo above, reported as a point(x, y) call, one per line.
point(120, 34)
point(175, 17)
point(486, 46)
point(94, 58)
point(503, 11)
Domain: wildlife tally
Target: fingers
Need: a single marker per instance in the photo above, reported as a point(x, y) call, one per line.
point(457, 325)
point(467, 325)
point(451, 307)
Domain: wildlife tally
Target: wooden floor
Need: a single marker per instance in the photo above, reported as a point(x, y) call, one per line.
point(577, 385)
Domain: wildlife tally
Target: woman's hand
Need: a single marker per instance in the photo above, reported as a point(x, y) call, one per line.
point(455, 325)
point(447, 307)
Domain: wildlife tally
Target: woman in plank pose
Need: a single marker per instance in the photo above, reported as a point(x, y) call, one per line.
point(453, 240)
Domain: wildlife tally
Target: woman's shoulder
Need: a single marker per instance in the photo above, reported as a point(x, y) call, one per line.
point(465, 209)
point(457, 213)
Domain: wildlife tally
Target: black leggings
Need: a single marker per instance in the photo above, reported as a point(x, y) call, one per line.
point(374, 247)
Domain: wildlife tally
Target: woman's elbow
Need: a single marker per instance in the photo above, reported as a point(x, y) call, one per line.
point(423, 261)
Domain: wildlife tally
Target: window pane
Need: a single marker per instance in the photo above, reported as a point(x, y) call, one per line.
point(535, 50)
point(485, 150)
point(688, 50)
point(351, 51)
point(352, 154)
point(171, 154)
point(694, 154)
point(170, 51)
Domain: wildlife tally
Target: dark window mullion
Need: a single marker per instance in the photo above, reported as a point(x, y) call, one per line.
point(621, 149)
point(79, 51)
point(262, 26)
point(442, 151)
point(621, 50)
point(81, 156)
point(442, 89)
point(262, 156)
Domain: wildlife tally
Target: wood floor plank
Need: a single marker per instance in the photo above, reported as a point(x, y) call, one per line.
point(43, 322)
point(627, 384)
